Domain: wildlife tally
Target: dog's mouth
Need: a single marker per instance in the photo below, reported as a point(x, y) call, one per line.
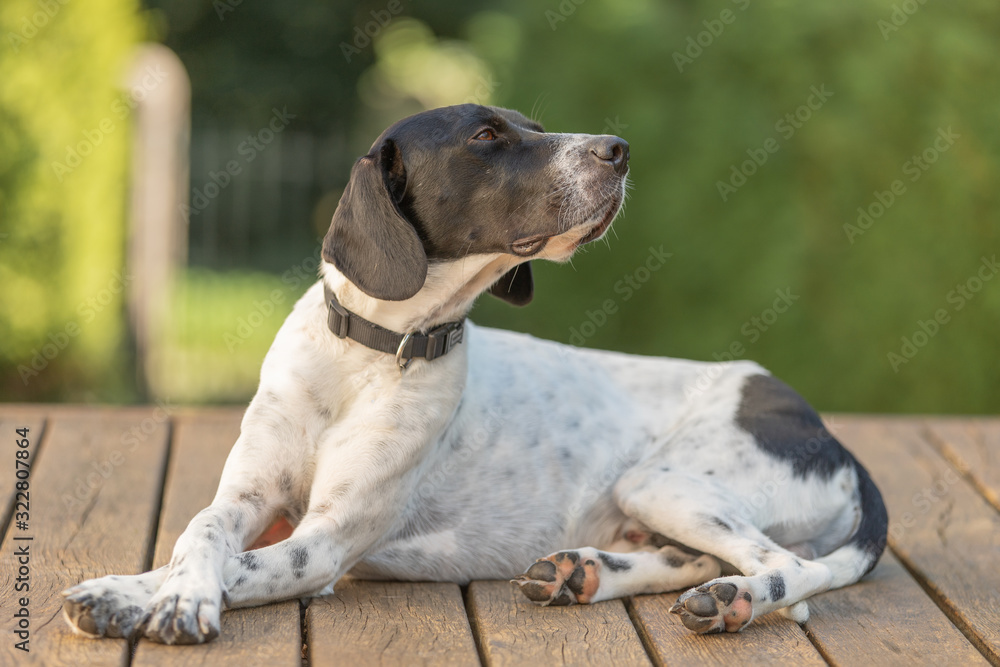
point(605, 222)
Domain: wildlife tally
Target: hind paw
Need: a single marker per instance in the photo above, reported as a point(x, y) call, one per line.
point(717, 606)
point(563, 578)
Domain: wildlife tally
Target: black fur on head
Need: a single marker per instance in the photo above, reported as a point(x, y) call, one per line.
point(448, 183)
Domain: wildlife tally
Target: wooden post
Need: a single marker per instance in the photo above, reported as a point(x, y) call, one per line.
point(159, 88)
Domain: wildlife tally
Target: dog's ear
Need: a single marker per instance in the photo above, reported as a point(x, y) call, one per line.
point(516, 287)
point(370, 240)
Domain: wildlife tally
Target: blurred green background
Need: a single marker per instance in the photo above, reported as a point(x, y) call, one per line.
point(836, 162)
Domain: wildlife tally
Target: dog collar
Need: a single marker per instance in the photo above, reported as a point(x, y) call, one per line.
point(436, 343)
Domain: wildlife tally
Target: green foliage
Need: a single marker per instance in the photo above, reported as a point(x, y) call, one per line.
point(698, 87)
point(62, 226)
point(225, 324)
point(612, 64)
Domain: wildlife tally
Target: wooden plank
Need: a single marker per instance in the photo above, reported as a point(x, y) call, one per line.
point(513, 631)
point(886, 619)
point(772, 639)
point(10, 422)
point(972, 446)
point(267, 635)
point(262, 636)
point(390, 623)
point(941, 529)
point(95, 490)
point(202, 441)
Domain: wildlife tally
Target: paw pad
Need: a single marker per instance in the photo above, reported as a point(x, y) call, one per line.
point(714, 607)
point(560, 579)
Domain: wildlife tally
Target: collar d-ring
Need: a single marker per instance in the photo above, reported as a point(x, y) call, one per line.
point(399, 353)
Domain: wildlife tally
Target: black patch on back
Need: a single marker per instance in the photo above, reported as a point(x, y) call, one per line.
point(614, 564)
point(872, 532)
point(776, 586)
point(786, 427)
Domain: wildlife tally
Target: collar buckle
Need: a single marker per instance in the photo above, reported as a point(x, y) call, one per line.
point(442, 339)
point(339, 318)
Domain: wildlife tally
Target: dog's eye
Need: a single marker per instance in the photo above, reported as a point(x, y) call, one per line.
point(529, 246)
point(486, 135)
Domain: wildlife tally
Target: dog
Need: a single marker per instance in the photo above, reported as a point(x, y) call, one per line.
point(403, 442)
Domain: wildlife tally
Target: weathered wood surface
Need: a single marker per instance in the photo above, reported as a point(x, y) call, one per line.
point(390, 623)
point(102, 490)
point(973, 447)
point(940, 527)
point(513, 631)
point(886, 619)
point(95, 494)
point(263, 636)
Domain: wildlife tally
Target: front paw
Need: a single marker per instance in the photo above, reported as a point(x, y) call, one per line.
point(721, 605)
point(107, 607)
point(182, 618)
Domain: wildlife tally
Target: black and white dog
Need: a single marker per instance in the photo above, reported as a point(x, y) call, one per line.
point(405, 443)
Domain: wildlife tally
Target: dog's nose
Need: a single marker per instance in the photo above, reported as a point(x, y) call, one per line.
point(612, 151)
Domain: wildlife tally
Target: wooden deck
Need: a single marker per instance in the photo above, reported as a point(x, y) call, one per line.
point(111, 489)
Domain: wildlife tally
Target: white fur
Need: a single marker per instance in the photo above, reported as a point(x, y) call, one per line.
point(472, 465)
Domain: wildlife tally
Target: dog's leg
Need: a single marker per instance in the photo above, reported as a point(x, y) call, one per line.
point(188, 589)
point(700, 513)
point(582, 576)
point(252, 491)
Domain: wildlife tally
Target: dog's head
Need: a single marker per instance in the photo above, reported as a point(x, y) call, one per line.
point(465, 180)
